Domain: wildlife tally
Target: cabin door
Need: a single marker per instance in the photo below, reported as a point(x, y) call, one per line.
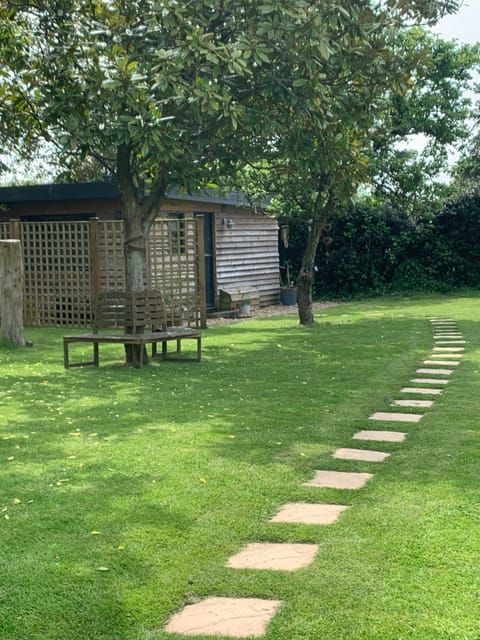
point(209, 242)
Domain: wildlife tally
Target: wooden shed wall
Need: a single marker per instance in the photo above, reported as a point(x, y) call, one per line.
point(247, 254)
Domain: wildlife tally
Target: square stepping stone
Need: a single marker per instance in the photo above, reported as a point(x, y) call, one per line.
point(381, 436)
point(413, 403)
point(339, 479)
point(308, 513)
point(451, 349)
point(273, 556)
point(429, 381)
point(446, 355)
point(360, 454)
point(422, 390)
point(438, 372)
point(396, 417)
point(448, 363)
point(231, 617)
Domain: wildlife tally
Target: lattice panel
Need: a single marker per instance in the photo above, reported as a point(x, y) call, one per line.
point(57, 273)
point(172, 264)
point(4, 231)
point(109, 256)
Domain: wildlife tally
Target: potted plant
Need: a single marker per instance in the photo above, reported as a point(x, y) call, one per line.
point(288, 291)
point(244, 307)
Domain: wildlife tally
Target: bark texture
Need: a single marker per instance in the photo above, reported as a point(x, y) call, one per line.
point(306, 277)
point(11, 292)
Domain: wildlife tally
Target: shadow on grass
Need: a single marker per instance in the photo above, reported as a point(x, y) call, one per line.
point(153, 458)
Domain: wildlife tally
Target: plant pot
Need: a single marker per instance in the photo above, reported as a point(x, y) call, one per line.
point(288, 296)
point(244, 309)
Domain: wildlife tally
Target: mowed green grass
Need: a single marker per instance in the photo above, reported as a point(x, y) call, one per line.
point(124, 492)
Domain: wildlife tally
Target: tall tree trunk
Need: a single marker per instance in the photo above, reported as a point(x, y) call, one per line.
point(306, 277)
point(135, 237)
point(11, 292)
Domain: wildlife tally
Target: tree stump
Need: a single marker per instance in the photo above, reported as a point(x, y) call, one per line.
point(11, 292)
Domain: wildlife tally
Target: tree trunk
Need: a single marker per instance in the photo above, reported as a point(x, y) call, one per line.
point(306, 277)
point(135, 248)
point(138, 214)
point(11, 292)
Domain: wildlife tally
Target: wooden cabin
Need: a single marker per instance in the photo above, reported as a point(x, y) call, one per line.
point(239, 244)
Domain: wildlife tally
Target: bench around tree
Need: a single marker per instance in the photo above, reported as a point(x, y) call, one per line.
point(132, 314)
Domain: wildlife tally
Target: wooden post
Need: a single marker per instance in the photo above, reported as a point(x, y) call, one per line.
point(199, 221)
point(11, 292)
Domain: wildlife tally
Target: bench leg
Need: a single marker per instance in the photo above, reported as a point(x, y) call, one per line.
point(164, 350)
point(199, 349)
point(95, 354)
point(66, 361)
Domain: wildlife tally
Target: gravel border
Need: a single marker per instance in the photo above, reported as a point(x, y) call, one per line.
point(272, 310)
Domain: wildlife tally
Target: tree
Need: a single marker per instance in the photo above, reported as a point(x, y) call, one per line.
point(156, 90)
point(435, 105)
point(318, 156)
point(149, 90)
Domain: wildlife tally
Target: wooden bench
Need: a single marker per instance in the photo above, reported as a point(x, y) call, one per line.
point(131, 315)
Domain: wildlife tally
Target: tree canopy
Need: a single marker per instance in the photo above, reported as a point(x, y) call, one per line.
point(164, 92)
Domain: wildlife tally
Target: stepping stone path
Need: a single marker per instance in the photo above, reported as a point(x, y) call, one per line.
point(232, 617)
point(381, 436)
point(361, 454)
point(249, 617)
point(425, 404)
point(439, 372)
point(273, 556)
point(339, 480)
point(422, 390)
point(429, 381)
point(309, 513)
point(396, 417)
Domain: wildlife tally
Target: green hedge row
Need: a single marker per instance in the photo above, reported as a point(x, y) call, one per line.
point(373, 250)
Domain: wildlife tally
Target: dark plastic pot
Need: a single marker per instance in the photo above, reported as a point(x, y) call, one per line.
point(288, 296)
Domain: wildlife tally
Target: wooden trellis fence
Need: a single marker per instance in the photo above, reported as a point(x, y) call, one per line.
point(67, 263)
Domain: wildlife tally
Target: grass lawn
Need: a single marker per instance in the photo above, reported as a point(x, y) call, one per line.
point(124, 492)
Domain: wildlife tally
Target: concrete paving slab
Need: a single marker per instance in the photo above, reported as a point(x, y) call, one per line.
point(439, 381)
point(446, 355)
point(230, 617)
point(449, 363)
point(437, 372)
point(339, 479)
point(380, 436)
point(273, 556)
point(421, 390)
point(452, 342)
point(451, 349)
point(426, 404)
point(396, 417)
point(309, 513)
point(360, 454)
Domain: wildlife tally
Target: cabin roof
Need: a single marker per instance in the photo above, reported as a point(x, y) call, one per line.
point(108, 190)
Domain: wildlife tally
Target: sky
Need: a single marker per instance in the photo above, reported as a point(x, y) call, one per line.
point(464, 25)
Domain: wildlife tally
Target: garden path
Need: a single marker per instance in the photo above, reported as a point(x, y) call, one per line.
point(250, 617)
